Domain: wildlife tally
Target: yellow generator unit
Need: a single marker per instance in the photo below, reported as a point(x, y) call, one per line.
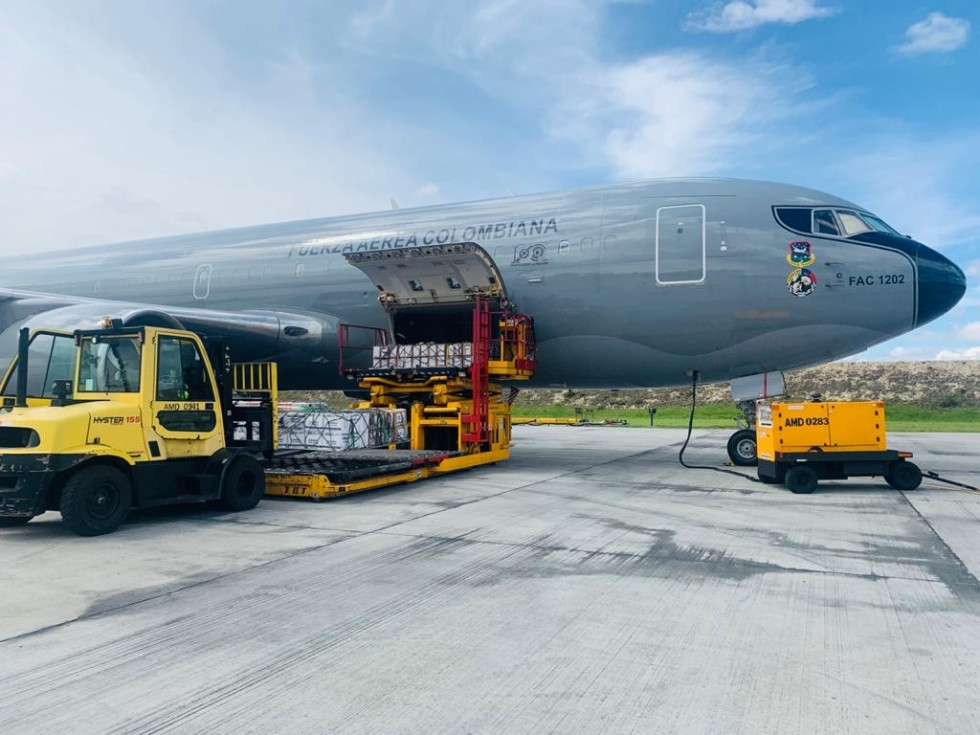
point(801, 443)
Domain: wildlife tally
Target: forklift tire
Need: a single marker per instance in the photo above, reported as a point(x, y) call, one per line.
point(96, 500)
point(11, 521)
point(742, 448)
point(801, 479)
point(243, 484)
point(903, 475)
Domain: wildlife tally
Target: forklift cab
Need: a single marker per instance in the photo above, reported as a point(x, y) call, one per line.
point(164, 374)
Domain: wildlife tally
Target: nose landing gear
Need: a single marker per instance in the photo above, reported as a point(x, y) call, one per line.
point(741, 444)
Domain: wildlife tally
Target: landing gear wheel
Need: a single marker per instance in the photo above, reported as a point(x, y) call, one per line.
point(10, 522)
point(742, 449)
point(243, 485)
point(96, 500)
point(801, 479)
point(903, 475)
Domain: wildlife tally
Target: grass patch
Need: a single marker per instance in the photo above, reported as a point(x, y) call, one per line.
point(706, 417)
point(900, 417)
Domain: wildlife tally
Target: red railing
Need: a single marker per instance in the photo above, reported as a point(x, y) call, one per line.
point(354, 340)
point(478, 420)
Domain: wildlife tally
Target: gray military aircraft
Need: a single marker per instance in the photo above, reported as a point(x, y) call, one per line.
point(630, 285)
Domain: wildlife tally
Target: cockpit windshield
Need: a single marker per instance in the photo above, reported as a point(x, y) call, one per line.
point(831, 221)
point(851, 223)
point(879, 224)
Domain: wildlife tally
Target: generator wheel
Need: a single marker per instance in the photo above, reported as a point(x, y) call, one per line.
point(11, 521)
point(96, 500)
point(903, 475)
point(801, 479)
point(742, 448)
point(243, 485)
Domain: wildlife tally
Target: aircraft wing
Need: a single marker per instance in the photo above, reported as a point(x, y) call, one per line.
point(254, 334)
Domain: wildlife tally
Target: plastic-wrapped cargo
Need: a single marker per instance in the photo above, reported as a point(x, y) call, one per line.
point(423, 355)
point(314, 426)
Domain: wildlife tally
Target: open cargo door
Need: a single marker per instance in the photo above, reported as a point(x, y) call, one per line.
point(428, 292)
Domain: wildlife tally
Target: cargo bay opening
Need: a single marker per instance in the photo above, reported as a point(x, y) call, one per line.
point(428, 293)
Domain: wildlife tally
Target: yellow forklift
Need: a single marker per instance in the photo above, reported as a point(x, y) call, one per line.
point(100, 421)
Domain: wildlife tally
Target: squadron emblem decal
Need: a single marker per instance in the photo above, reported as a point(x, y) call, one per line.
point(801, 281)
point(800, 254)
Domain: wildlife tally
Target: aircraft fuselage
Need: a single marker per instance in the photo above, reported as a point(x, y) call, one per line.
point(630, 285)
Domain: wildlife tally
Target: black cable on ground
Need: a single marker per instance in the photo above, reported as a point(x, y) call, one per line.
point(933, 476)
point(690, 429)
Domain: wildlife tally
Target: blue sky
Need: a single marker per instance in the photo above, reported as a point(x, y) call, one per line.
point(134, 119)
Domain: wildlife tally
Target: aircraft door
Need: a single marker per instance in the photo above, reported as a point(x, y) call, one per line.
point(680, 245)
point(202, 281)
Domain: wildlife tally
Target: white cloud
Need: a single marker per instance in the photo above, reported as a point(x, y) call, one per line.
point(969, 332)
point(103, 141)
point(938, 33)
point(922, 186)
point(682, 113)
point(973, 269)
point(670, 113)
point(428, 190)
point(971, 353)
point(742, 15)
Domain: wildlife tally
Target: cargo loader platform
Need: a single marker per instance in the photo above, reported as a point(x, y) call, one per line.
point(452, 331)
point(322, 475)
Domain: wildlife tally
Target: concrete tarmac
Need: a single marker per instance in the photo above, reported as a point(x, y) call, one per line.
point(588, 585)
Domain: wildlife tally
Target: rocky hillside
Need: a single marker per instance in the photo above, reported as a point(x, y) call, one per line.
point(928, 384)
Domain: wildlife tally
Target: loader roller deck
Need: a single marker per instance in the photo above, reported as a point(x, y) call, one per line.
point(324, 475)
point(345, 467)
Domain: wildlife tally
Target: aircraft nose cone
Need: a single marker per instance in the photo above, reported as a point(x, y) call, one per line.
point(941, 285)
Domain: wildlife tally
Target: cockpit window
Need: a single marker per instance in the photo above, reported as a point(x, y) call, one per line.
point(879, 224)
point(852, 223)
point(795, 218)
point(836, 222)
point(824, 223)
